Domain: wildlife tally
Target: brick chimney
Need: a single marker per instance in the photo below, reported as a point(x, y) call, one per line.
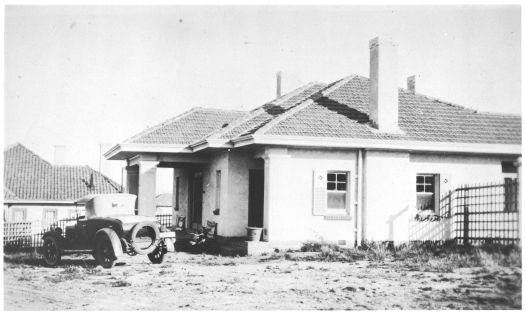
point(383, 101)
point(411, 84)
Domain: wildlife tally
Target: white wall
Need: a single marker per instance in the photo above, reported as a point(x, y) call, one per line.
point(294, 220)
point(35, 213)
point(388, 189)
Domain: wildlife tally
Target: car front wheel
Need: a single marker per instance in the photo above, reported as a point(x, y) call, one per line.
point(104, 253)
point(158, 255)
point(52, 252)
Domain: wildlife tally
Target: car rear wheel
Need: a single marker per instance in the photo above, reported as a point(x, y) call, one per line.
point(52, 254)
point(158, 255)
point(104, 253)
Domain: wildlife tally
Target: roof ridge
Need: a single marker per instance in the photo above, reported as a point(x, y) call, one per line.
point(292, 110)
point(288, 95)
point(217, 133)
point(337, 84)
point(106, 178)
point(159, 125)
point(30, 151)
point(302, 104)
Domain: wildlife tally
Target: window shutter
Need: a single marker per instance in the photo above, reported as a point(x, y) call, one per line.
point(319, 193)
point(437, 194)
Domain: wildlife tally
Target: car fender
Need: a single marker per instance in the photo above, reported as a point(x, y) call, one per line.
point(113, 237)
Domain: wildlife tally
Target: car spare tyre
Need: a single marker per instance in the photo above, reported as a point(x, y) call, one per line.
point(144, 236)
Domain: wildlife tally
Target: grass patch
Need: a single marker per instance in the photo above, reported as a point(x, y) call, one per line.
point(424, 256)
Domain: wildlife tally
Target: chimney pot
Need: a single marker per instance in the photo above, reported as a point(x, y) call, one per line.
point(383, 100)
point(411, 84)
point(278, 84)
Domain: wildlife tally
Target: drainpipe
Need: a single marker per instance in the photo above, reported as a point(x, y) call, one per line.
point(359, 199)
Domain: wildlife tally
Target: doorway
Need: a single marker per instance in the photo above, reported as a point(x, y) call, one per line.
point(256, 198)
point(196, 200)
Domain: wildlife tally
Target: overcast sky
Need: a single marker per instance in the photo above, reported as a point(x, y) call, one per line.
point(81, 76)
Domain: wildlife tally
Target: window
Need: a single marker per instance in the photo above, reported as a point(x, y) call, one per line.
point(509, 167)
point(336, 186)
point(427, 187)
point(19, 214)
point(177, 193)
point(49, 216)
point(218, 189)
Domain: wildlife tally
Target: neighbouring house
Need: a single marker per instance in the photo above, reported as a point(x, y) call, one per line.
point(348, 161)
point(38, 191)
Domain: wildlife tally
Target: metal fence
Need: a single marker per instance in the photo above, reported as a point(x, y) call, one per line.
point(486, 213)
point(27, 235)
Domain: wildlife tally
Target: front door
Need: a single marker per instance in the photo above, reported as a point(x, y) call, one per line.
point(196, 199)
point(256, 198)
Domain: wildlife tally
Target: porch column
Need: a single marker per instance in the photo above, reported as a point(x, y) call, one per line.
point(132, 180)
point(276, 191)
point(147, 187)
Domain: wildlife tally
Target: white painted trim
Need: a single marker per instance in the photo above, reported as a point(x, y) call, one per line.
point(420, 146)
point(147, 148)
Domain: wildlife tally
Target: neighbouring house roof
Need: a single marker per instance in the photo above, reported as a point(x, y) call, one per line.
point(336, 111)
point(29, 177)
point(164, 200)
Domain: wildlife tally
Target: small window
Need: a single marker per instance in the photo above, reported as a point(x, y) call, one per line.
point(49, 216)
point(19, 214)
point(336, 186)
point(509, 167)
point(218, 189)
point(427, 187)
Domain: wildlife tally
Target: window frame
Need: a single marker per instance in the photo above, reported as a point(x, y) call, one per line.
point(19, 209)
point(338, 211)
point(49, 210)
point(218, 184)
point(177, 191)
point(435, 194)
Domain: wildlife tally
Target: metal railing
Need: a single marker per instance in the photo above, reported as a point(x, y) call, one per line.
point(27, 235)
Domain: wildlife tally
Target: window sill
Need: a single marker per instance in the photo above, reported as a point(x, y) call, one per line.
point(427, 216)
point(337, 217)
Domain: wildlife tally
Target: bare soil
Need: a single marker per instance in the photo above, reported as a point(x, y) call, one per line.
point(206, 282)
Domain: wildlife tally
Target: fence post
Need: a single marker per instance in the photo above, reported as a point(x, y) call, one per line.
point(465, 217)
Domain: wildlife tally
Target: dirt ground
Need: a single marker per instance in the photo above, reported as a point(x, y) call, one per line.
point(206, 282)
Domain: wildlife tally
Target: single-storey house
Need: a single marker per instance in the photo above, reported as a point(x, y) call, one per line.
point(36, 190)
point(348, 161)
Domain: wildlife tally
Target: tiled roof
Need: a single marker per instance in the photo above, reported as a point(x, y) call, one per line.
point(187, 127)
point(263, 114)
point(343, 113)
point(29, 177)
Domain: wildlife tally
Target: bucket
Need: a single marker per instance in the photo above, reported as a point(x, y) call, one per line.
point(254, 233)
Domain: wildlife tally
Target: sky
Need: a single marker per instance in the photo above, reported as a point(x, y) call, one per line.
point(86, 76)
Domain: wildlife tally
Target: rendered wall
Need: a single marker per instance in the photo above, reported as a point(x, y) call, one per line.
point(293, 219)
point(388, 189)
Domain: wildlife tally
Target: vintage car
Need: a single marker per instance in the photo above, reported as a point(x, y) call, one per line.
point(109, 229)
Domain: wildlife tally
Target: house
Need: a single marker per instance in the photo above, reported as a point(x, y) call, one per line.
point(164, 204)
point(36, 190)
point(348, 161)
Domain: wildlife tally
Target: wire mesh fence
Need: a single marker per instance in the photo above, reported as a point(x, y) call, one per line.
point(487, 213)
